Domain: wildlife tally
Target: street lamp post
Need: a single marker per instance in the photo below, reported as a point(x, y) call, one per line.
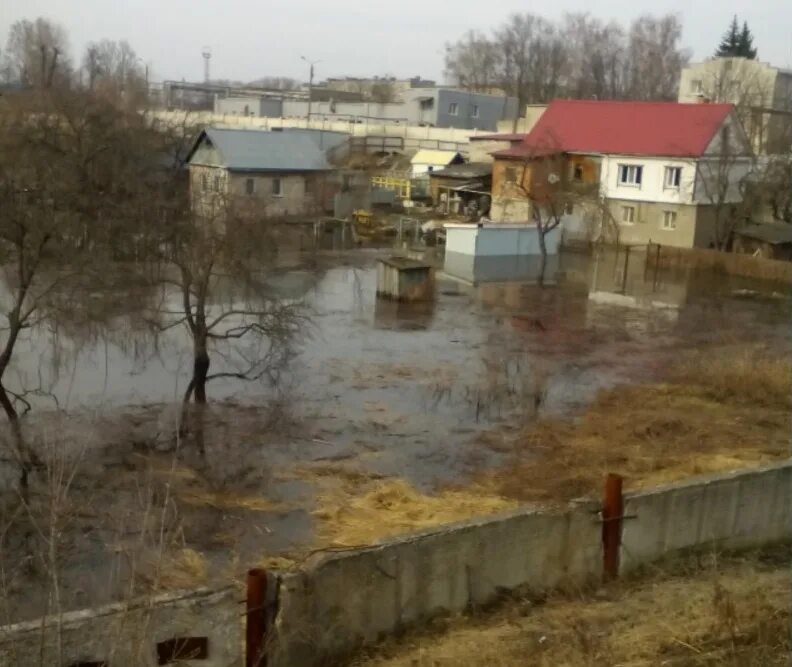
point(310, 82)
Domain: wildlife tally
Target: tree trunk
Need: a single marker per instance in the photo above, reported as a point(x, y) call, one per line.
point(543, 249)
point(200, 369)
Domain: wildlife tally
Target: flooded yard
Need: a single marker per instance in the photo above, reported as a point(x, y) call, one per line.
point(379, 390)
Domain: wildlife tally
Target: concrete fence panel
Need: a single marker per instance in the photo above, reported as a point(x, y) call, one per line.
point(202, 624)
point(731, 511)
point(344, 600)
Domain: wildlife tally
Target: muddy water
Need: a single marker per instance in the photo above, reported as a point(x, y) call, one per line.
point(393, 389)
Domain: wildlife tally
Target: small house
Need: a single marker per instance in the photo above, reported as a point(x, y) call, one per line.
point(265, 174)
point(425, 161)
point(456, 186)
point(771, 241)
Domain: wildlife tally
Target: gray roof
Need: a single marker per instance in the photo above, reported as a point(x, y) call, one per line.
point(263, 150)
point(772, 233)
point(466, 170)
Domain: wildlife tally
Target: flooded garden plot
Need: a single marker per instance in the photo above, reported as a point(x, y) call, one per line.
point(390, 417)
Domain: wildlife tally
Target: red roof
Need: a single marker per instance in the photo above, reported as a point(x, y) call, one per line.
point(622, 128)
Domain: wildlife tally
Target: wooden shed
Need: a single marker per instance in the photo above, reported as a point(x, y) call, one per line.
point(771, 240)
point(405, 279)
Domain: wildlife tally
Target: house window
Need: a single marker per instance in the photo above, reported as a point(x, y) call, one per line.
point(577, 174)
point(696, 87)
point(510, 174)
point(628, 214)
point(250, 186)
point(673, 175)
point(205, 182)
point(277, 187)
point(217, 183)
point(669, 220)
point(630, 174)
point(453, 108)
point(309, 186)
point(475, 111)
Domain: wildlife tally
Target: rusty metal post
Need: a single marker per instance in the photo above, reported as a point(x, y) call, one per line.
point(612, 515)
point(256, 617)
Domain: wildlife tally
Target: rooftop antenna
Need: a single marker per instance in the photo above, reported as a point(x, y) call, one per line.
point(207, 56)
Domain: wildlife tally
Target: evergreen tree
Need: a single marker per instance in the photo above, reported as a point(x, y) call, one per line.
point(737, 43)
point(747, 48)
point(730, 43)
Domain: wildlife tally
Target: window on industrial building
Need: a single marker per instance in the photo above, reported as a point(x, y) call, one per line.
point(669, 220)
point(630, 174)
point(453, 108)
point(277, 187)
point(673, 175)
point(628, 214)
point(474, 112)
point(250, 186)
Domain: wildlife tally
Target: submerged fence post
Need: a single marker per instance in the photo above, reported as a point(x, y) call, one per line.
point(256, 613)
point(612, 515)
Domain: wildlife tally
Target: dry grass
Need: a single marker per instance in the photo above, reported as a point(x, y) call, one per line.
point(354, 510)
point(180, 569)
point(717, 412)
point(692, 612)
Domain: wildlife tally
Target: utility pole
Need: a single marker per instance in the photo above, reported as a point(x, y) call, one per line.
point(310, 82)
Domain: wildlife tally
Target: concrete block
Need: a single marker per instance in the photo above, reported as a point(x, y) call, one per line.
point(683, 520)
point(129, 632)
point(756, 497)
point(780, 524)
point(643, 534)
point(718, 511)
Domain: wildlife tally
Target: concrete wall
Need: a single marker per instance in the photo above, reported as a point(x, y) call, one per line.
point(128, 634)
point(733, 511)
point(411, 137)
point(340, 601)
point(647, 225)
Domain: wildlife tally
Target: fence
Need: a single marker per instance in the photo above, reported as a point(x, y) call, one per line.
point(730, 263)
point(338, 602)
point(383, 136)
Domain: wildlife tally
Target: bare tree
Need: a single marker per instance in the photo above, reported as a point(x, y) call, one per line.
point(37, 53)
point(721, 182)
point(474, 62)
point(535, 60)
point(115, 71)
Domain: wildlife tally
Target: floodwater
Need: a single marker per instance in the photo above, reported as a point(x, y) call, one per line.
point(394, 389)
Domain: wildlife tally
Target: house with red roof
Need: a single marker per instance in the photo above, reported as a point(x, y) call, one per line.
point(663, 172)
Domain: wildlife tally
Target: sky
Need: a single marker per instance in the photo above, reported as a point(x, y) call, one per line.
point(254, 38)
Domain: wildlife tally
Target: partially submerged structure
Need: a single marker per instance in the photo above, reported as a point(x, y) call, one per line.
point(771, 241)
point(653, 171)
point(265, 174)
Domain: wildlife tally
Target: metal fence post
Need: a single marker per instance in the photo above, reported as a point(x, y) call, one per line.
point(612, 515)
point(256, 616)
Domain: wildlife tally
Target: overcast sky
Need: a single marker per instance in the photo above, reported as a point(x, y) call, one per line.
point(254, 38)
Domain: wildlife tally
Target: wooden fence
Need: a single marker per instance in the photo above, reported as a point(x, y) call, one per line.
point(735, 264)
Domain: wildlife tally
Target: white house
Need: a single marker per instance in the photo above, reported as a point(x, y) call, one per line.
point(666, 172)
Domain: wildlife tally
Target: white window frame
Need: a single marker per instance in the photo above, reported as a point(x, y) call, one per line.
point(669, 221)
point(277, 187)
point(453, 109)
point(630, 175)
point(628, 215)
point(474, 112)
point(672, 177)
